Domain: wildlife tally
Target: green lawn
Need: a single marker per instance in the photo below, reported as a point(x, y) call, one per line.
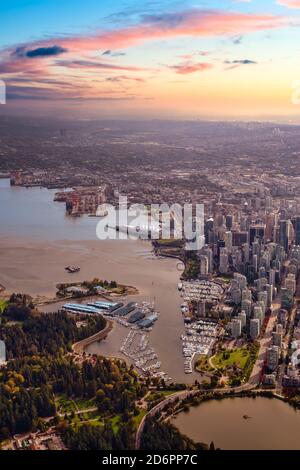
point(3, 304)
point(225, 359)
point(202, 365)
point(65, 405)
point(98, 421)
point(227, 280)
point(91, 418)
point(115, 421)
point(159, 395)
point(137, 419)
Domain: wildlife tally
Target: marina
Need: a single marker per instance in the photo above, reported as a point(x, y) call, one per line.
point(200, 334)
point(199, 339)
point(139, 319)
point(136, 346)
point(208, 290)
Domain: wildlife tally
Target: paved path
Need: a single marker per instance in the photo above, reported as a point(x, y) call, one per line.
point(78, 412)
point(170, 399)
point(264, 344)
point(81, 345)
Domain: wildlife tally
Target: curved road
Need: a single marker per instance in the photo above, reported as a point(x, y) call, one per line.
point(81, 345)
point(182, 395)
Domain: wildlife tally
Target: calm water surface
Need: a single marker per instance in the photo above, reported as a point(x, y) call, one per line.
point(31, 212)
point(37, 240)
point(273, 424)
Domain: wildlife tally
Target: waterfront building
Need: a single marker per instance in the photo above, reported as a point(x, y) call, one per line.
point(84, 309)
point(269, 380)
point(292, 377)
point(136, 316)
point(273, 354)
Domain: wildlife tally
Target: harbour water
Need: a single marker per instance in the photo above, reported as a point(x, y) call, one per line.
point(271, 424)
point(38, 240)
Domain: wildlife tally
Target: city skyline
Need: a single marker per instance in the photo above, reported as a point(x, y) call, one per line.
point(185, 60)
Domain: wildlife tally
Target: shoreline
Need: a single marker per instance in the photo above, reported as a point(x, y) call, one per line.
point(36, 267)
point(183, 417)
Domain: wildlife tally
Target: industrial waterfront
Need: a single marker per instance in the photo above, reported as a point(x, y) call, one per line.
point(38, 231)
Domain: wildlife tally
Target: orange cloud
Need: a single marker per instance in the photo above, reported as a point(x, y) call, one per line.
point(41, 58)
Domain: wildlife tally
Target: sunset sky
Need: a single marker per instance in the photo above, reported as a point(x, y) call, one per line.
point(151, 59)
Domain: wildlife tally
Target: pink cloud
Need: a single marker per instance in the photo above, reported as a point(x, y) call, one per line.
point(289, 3)
point(11, 65)
point(40, 58)
point(93, 64)
point(193, 54)
point(194, 22)
point(120, 78)
point(201, 23)
point(186, 68)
